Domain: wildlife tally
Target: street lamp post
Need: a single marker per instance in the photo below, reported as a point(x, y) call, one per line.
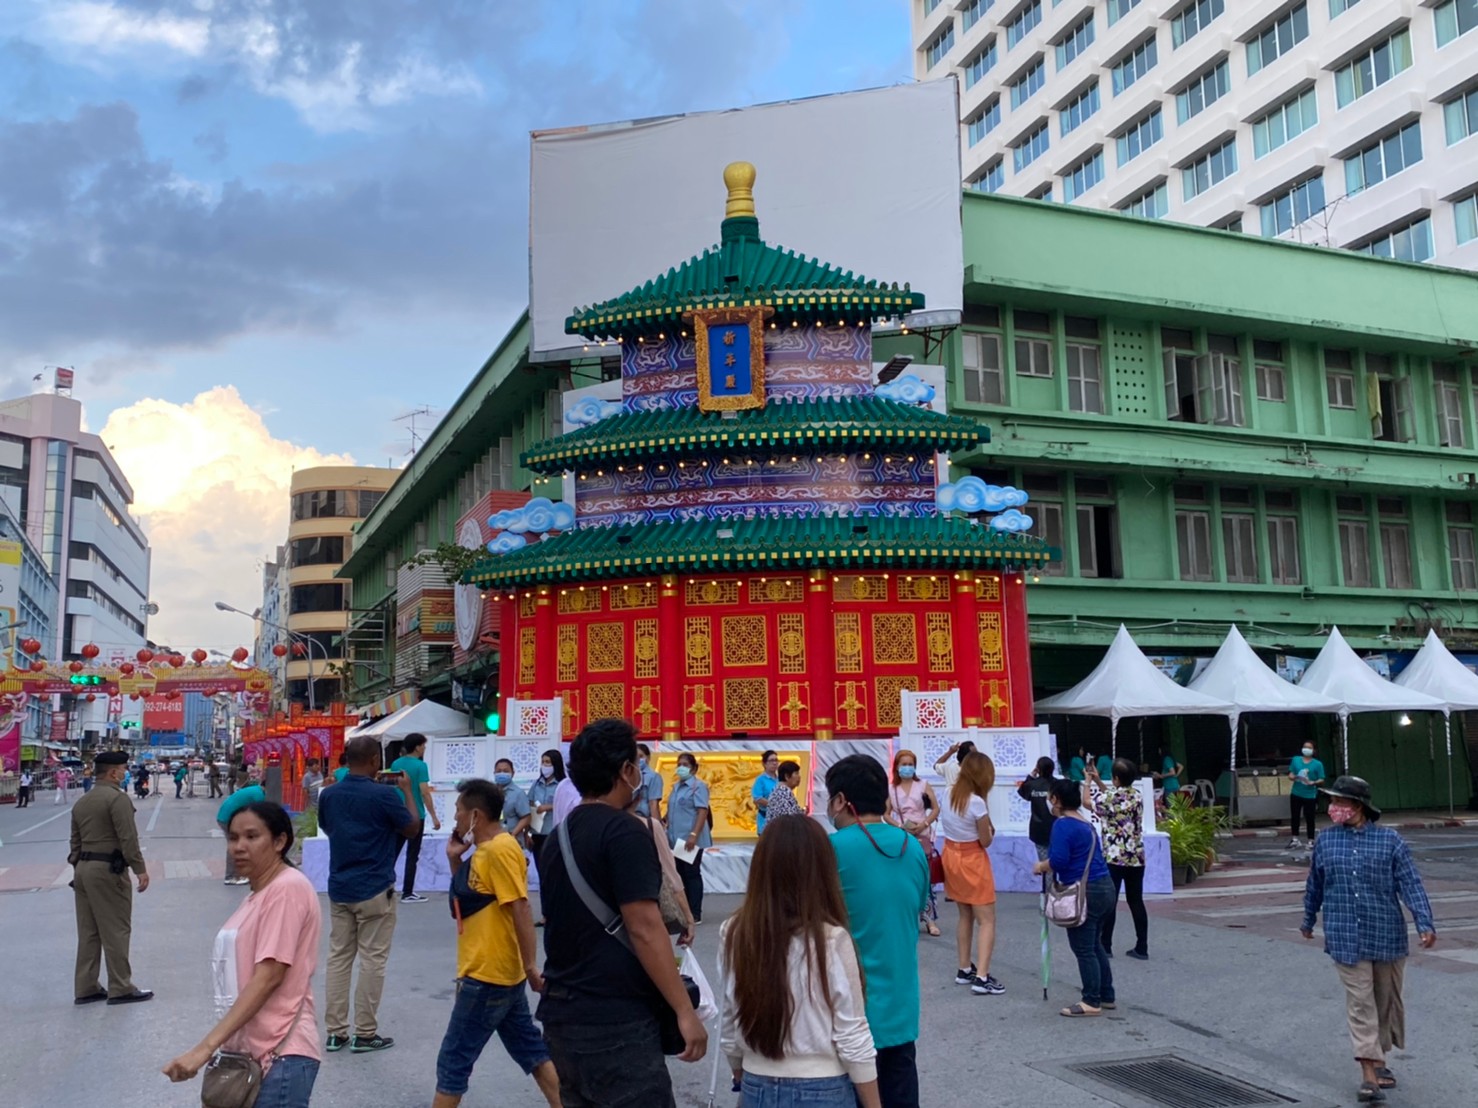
point(295, 636)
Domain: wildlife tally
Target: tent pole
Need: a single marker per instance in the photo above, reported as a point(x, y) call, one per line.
point(1344, 738)
point(1114, 736)
point(1231, 771)
point(1447, 725)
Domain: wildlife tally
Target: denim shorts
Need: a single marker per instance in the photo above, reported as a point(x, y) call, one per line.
point(797, 1092)
point(289, 1083)
point(480, 1010)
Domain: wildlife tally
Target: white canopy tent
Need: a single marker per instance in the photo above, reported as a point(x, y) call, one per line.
point(1338, 672)
point(1126, 683)
point(1435, 672)
point(433, 720)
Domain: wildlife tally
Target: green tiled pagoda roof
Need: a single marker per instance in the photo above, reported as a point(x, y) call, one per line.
point(806, 425)
point(719, 546)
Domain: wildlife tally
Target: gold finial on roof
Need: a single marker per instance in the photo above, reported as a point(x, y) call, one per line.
point(739, 179)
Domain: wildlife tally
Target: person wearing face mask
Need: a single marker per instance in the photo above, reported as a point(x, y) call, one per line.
point(1307, 774)
point(763, 786)
point(518, 813)
point(611, 985)
point(687, 829)
point(541, 799)
point(913, 806)
point(1074, 848)
point(885, 882)
point(496, 950)
point(1360, 876)
point(782, 800)
point(649, 803)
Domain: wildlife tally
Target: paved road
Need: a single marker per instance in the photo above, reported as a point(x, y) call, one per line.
point(1233, 991)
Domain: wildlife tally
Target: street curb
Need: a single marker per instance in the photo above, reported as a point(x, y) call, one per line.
point(1408, 825)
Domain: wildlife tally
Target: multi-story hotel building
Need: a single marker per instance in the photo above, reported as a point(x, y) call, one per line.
point(1342, 123)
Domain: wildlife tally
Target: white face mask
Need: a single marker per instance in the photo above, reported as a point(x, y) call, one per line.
point(1308, 752)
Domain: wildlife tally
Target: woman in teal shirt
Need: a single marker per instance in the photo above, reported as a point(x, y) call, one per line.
point(1169, 775)
point(1307, 774)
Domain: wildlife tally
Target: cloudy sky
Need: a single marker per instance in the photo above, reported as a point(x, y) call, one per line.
point(262, 229)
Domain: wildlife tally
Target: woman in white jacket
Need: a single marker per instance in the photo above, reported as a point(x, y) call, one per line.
point(801, 1036)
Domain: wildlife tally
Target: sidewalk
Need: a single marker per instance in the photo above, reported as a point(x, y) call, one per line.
point(1401, 821)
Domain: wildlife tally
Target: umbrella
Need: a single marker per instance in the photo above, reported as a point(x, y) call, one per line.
point(1046, 944)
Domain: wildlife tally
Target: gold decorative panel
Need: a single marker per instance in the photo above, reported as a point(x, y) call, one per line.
point(730, 775)
point(526, 604)
point(996, 703)
point(746, 704)
point(792, 642)
point(924, 588)
point(570, 699)
point(627, 597)
point(894, 639)
point(573, 602)
point(744, 641)
point(848, 627)
point(712, 592)
point(992, 658)
point(606, 701)
point(646, 648)
point(940, 641)
point(605, 648)
point(567, 645)
point(890, 699)
point(699, 708)
point(862, 587)
point(526, 667)
point(793, 705)
point(698, 645)
point(852, 705)
point(988, 588)
point(777, 590)
point(646, 706)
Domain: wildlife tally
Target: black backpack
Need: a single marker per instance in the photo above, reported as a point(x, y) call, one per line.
point(463, 900)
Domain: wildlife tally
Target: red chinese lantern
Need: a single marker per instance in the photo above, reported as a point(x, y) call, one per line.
point(90, 651)
point(280, 650)
point(145, 656)
point(177, 660)
point(38, 666)
point(75, 667)
point(31, 646)
point(199, 655)
point(91, 697)
point(299, 650)
point(126, 668)
point(207, 693)
point(239, 654)
point(173, 694)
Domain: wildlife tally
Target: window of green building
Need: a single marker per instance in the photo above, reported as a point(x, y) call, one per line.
point(1239, 535)
point(1460, 546)
point(1084, 365)
point(1202, 386)
point(1096, 517)
point(1193, 532)
point(1395, 542)
point(1448, 401)
point(1354, 541)
point(1033, 345)
point(1339, 379)
point(1284, 563)
point(1045, 490)
point(1392, 418)
point(1268, 369)
point(982, 372)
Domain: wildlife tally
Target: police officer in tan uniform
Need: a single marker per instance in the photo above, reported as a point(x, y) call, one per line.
point(105, 846)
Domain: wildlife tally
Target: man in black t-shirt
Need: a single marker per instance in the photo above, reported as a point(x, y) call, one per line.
point(602, 1001)
point(1037, 789)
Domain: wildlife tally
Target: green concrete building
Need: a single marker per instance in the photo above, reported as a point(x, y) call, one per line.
point(1213, 428)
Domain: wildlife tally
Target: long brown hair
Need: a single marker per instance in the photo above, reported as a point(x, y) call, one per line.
point(977, 778)
point(793, 890)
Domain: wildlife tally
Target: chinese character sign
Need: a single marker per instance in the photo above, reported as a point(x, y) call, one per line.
point(731, 358)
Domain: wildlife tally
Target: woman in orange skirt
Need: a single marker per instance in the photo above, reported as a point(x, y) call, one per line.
point(968, 881)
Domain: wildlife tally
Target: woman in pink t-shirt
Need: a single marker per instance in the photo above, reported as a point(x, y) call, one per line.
point(264, 960)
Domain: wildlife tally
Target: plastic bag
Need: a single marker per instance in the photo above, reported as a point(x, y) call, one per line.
point(691, 968)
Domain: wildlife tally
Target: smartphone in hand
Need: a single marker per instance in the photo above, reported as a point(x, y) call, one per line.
point(389, 776)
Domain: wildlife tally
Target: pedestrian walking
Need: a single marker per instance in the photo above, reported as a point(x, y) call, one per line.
point(181, 771)
point(23, 797)
point(885, 882)
point(312, 783)
point(104, 847)
point(366, 823)
point(242, 777)
point(968, 878)
point(252, 794)
point(541, 799)
point(1360, 876)
point(783, 801)
point(913, 806)
point(1074, 850)
point(1120, 811)
point(86, 780)
point(518, 810)
point(688, 813)
point(1036, 790)
point(213, 779)
point(1307, 774)
point(496, 950)
point(763, 786)
point(652, 785)
point(412, 763)
point(63, 782)
point(795, 1024)
point(263, 965)
point(613, 1001)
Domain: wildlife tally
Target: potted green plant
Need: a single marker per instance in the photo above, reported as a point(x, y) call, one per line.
point(1192, 833)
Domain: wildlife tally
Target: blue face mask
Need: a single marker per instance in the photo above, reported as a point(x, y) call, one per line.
point(546, 771)
point(905, 772)
point(642, 762)
point(683, 773)
point(502, 779)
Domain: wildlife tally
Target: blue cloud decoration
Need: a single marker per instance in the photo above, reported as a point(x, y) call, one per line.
point(539, 516)
point(1011, 520)
point(591, 409)
point(972, 495)
point(910, 388)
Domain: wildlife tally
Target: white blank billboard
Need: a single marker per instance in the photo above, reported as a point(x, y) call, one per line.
point(869, 181)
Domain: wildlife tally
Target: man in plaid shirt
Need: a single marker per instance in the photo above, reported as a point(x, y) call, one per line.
point(1361, 874)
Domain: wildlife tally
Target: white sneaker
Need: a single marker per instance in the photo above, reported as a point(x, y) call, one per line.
point(1295, 844)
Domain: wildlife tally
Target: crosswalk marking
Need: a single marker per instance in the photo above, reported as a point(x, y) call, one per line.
point(1196, 892)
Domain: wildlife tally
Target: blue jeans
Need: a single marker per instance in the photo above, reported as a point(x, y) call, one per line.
point(481, 1009)
point(1087, 942)
point(797, 1092)
point(289, 1083)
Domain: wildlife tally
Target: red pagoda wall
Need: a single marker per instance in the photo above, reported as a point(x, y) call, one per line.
point(791, 654)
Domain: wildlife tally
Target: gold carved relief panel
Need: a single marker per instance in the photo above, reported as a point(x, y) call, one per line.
point(527, 670)
point(793, 705)
point(791, 641)
point(848, 627)
point(645, 648)
point(939, 637)
point(862, 586)
point(890, 699)
point(851, 697)
point(605, 648)
point(698, 645)
point(573, 602)
point(730, 776)
point(606, 701)
point(744, 641)
point(627, 597)
point(711, 592)
point(992, 657)
point(988, 588)
point(646, 707)
point(777, 590)
point(923, 589)
point(894, 638)
point(527, 602)
point(746, 704)
point(567, 652)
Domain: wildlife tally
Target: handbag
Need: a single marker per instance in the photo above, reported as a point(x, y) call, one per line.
point(1067, 905)
point(232, 1079)
point(936, 868)
point(612, 924)
point(673, 916)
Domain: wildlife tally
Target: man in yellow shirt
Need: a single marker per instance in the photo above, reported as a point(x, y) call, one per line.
point(496, 952)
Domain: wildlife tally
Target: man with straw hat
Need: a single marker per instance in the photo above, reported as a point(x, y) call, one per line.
point(1360, 875)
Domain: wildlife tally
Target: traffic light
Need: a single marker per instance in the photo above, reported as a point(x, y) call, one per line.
point(126, 724)
point(86, 679)
point(493, 720)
